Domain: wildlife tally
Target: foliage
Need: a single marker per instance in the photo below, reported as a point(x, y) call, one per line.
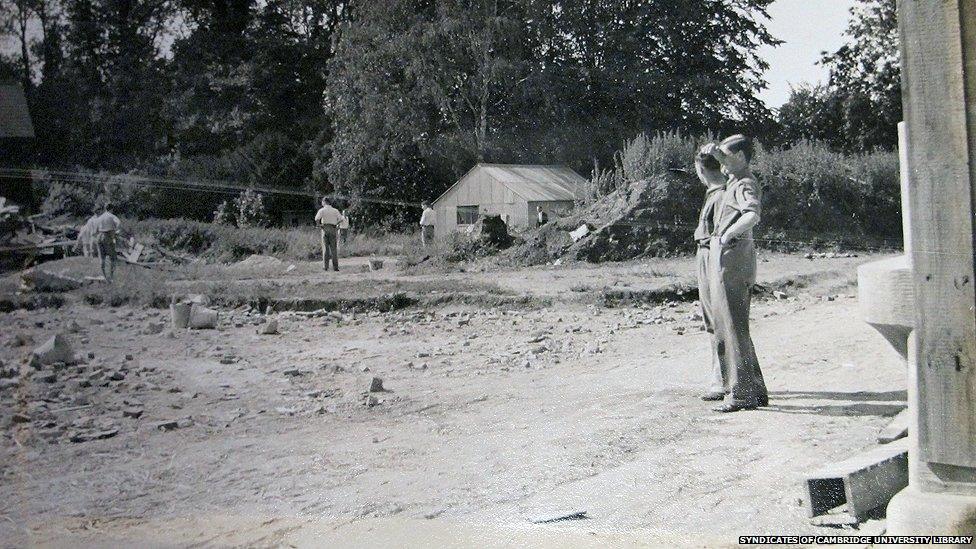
point(249, 209)
point(861, 106)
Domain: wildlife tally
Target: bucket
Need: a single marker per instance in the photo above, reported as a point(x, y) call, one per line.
point(180, 314)
point(202, 318)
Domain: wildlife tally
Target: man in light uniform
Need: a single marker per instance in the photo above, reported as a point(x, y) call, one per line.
point(327, 218)
point(710, 174)
point(732, 274)
point(107, 227)
point(88, 234)
point(343, 227)
point(427, 220)
point(541, 216)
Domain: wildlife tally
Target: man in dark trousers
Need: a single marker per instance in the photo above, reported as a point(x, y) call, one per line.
point(328, 218)
point(732, 274)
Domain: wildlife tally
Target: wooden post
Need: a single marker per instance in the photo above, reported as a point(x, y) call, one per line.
point(938, 52)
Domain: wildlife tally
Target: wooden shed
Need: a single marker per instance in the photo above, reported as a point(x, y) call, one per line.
point(512, 191)
point(17, 146)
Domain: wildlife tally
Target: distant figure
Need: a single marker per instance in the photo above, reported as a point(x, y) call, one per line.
point(88, 234)
point(427, 225)
point(541, 217)
point(732, 274)
point(328, 219)
point(107, 229)
point(343, 227)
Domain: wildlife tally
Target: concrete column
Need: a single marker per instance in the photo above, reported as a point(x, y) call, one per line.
point(938, 51)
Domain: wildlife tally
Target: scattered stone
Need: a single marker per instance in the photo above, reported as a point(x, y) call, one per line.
point(167, 425)
point(292, 372)
point(41, 280)
point(371, 401)
point(269, 328)
point(19, 417)
point(134, 413)
point(55, 349)
point(73, 327)
point(117, 375)
point(779, 295)
point(285, 411)
point(47, 376)
point(85, 436)
point(154, 328)
point(376, 385)
point(8, 383)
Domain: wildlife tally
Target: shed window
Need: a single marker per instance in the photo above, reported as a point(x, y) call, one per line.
point(467, 215)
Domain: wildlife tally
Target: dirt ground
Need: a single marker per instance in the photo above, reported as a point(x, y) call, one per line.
point(489, 417)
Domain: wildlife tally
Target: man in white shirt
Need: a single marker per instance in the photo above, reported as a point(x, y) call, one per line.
point(327, 218)
point(107, 228)
point(427, 220)
point(343, 227)
point(87, 235)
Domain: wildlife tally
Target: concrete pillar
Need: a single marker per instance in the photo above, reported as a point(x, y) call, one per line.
point(938, 52)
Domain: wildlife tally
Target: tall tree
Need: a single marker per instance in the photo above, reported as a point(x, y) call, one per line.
point(861, 106)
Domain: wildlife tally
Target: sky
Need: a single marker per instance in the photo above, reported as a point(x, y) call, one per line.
point(807, 27)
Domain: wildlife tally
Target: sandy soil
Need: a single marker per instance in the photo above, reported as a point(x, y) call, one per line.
point(489, 418)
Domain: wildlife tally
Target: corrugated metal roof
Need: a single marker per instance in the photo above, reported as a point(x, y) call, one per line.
point(15, 120)
point(537, 183)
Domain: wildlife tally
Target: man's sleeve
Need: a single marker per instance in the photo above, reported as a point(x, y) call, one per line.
point(748, 197)
point(318, 215)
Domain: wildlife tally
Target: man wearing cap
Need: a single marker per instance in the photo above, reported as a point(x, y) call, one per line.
point(732, 274)
point(106, 229)
point(327, 218)
point(710, 174)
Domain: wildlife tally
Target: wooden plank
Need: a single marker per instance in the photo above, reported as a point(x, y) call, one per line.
point(898, 428)
point(863, 482)
point(939, 89)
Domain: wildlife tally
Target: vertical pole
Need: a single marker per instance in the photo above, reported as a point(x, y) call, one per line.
point(938, 52)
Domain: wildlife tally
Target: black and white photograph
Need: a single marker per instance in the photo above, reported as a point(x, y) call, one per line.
point(487, 273)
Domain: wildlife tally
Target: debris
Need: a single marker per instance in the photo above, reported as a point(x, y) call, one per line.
point(375, 264)
point(376, 385)
point(864, 482)
point(558, 517)
point(154, 328)
point(167, 425)
point(180, 314)
point(134, 413)
point(40, 280)
point(290, 268)
point(779, 295)
point(202, 318)
point(269, 328)
point(292, 372)
point(371, 401)
point(55, 349)
point(85, 436)
point(19, 417)
point(580, 232)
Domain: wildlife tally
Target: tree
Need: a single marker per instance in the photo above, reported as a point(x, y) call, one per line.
point(860, 108)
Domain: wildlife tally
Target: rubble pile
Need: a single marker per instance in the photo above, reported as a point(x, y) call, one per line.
point(638, 220)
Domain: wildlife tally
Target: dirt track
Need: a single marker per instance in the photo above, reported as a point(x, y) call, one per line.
point(513, 414)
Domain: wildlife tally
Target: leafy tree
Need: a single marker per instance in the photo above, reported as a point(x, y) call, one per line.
point(860, 108)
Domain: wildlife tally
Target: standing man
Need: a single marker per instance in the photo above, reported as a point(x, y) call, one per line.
point(343, 227)
point(732, 274)
point(541, 217)
point(427, 220)
point(87, 235)
point(106, 229)
point(327, 218)
point(710, 174)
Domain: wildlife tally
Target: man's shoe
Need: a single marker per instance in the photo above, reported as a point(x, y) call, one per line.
point(713, 396)
point(762, 401)
point(734, 407)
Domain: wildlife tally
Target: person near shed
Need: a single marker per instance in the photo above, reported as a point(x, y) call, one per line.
point(427, 220)
point(732, 274)
point(709, 172)
point(541, 216)
point(327, 218)
point(107, 227)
